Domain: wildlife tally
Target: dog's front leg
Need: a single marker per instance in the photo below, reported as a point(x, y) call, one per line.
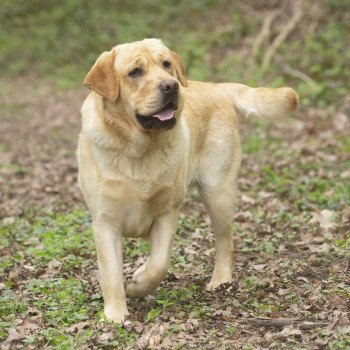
point(148, 277)
point(109, 246)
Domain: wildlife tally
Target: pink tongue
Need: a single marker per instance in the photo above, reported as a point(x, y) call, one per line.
point(165, 114)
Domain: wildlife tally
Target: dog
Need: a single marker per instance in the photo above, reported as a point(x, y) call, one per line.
point(147, 133)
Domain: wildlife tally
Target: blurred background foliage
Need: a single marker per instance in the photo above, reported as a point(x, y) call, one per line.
point(308, 41)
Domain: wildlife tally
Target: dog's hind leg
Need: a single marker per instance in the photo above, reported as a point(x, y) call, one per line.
point(148, 277)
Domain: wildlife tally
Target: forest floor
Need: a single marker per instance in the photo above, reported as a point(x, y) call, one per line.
point(291, 286)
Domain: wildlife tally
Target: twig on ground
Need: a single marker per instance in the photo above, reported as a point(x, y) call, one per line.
point(281, 37)
point(300, 75)
point(317, 12)
point(264, 32)
point(282, 322)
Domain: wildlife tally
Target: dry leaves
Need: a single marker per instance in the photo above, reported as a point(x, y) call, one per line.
point(12, 341)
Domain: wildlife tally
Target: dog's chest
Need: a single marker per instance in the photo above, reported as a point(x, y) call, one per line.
point(150, 167)
point(147, 202)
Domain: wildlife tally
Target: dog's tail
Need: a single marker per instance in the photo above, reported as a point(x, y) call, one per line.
point(262, 102)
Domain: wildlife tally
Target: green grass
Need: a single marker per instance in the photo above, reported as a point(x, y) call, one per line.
point(62, 301)
point(65, 299)
point(61, 42)
point(16, 168)
point(11, 307)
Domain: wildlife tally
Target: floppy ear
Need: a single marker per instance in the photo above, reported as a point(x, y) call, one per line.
point(103, 78)
point(180, 68)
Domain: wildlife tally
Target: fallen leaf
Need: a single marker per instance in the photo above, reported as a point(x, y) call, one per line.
point(340, 319)
point(152, 336)
point(54, 266)
point(247, 199)
point(259, 267)
point(11, 342)
point(9, 220)
point(77, 328)
point(154, 340)
point(265, 195)
point(290, 330)
point(105, 336)
point(345, 174)
point(14, 274)
point(138, 327)
point(29, 268)
point(324, 248)
point(28, 327)
point(325, 218)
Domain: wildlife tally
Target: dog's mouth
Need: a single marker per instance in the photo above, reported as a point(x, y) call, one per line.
point(162, 119)
point(166, 112)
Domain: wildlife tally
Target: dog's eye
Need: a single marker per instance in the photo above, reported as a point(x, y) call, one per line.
point(166, 64)
point(136, 72)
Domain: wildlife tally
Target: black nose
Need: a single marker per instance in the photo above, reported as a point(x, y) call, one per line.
point(168, 86)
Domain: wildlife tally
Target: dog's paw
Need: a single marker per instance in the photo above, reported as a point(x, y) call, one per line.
point(139, 272)
point(215, 283)
point(138, 290)
point(139, 287)
point(144, 281)
point(116, 315)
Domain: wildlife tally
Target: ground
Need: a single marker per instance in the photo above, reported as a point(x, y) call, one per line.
point(291, 233)
point(291, 226)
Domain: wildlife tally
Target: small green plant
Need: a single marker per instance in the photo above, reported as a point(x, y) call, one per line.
point(11, 307)
point(62, 301)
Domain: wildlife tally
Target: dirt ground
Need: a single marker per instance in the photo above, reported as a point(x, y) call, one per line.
point(291, 284)
point(39, 131)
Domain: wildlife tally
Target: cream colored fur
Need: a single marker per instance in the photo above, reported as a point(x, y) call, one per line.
point(134, 181)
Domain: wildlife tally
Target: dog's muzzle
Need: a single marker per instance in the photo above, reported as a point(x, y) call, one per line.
point(165, 117)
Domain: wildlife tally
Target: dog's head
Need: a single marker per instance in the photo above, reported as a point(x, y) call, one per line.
point(145, 78)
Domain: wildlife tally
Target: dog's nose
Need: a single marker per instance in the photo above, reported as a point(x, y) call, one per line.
point(169, 85)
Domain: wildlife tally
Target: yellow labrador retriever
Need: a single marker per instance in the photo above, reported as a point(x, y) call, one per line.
point(147, 132)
